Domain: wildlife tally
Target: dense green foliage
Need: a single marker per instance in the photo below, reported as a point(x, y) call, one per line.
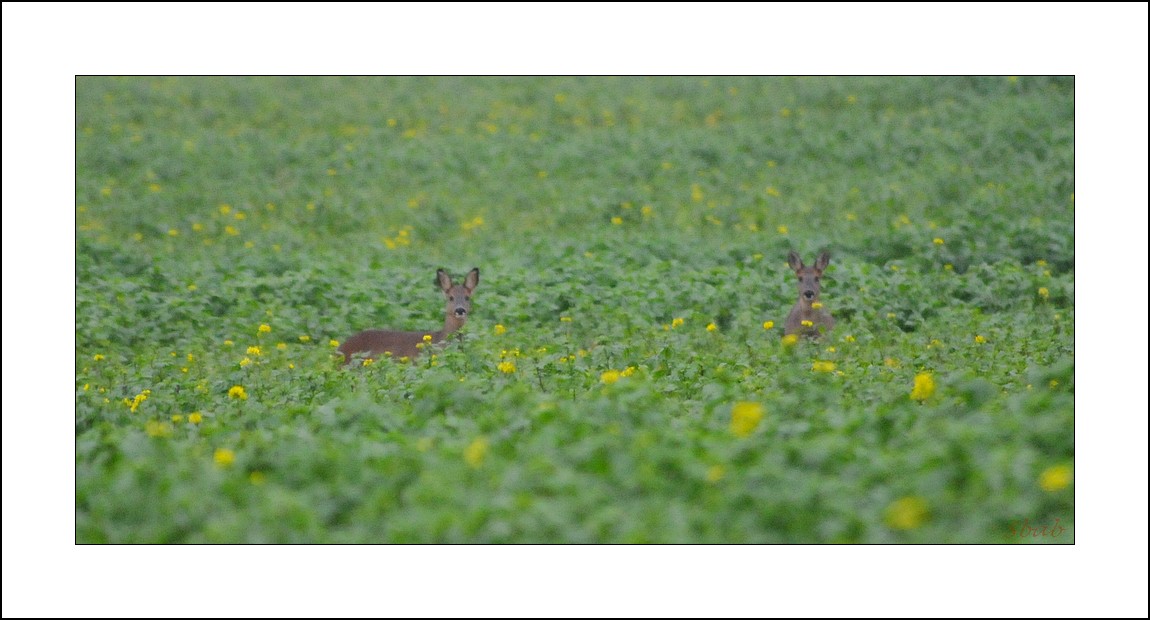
point(622, 378)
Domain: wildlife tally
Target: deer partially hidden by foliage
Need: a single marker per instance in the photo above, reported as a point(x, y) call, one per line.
point(373, 343)
point(808, 317)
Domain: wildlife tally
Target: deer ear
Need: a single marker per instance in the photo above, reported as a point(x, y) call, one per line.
point(794, 261)
point(472, 279)
point(822, 261)
point(443, 280)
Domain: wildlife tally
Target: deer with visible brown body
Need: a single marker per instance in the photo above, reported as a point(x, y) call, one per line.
point(808, 318)
point(373, 343)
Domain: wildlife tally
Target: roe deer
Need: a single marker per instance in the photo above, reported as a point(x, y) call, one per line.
point(808, 318)
point(376, 342)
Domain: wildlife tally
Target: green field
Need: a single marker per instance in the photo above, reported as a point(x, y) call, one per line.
point(622, 378)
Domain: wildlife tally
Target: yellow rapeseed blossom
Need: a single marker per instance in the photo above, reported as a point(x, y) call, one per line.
point(97, 357)
point(610, 376)
point(224, 457)
point(1055, 478)
point(177, 418)
point(923, 387)
point(712, 327)
point(938, 241)
point(264, 328)
point(807, 323)
point(616, 220)
point(715, 473)
point(333, 343)
point(500, 329)
point(816, 305)
point(237, 391)
point(305, 338)
point(195, 418)
point(818, 366)
point(281, 346)
point(155, 428)
point(783, 230)
point(790, 340)
point(247, 361)
point(980, 339)
point(906, 513)
point(1044, 292)
point(506, 367)
point(564, 319)
point(427, 337)
point(254, 351)
point(676, 322)
point(745, 417)
point(476, 452)
point(768, 325)
point(630, 370)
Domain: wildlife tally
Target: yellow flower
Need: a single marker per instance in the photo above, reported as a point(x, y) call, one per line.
point(305, 338)
point(1056, 478)
point(938, 241)
point(980, 339)
point(790, 340)
point(647, 210)
point(264, 328)
point(245, 362)
point(333, 343)
point(768, 325)
point(630, 370)
point(564, 319)
point(906, 513)
point(948, 267)
point(476, 452)
point(807, 323)
point(172, 232)
point(891, 362)
point(224, 457)
point(231, 230)
point(616, 220)
point(367, 361)
point(427, 337)
point(195, 418)
point(1044, 292)
point(237, 391)
point(177, 418)
point(675, 322)
point(610, 376)
point(254, 351)
point(281, 346)
point(257, 478)
point(500, 329)
point(816, 305)
point(715, 473)
point(506, 367)
point(783, 230)
point(97, 357)
point(923, 387)
point(849, 338)
point(823, 366)
point(745, 417)
point(712, 327)
point(155, 428)
point(225, 209)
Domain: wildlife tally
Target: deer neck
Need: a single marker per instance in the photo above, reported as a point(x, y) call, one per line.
point(451, 324)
